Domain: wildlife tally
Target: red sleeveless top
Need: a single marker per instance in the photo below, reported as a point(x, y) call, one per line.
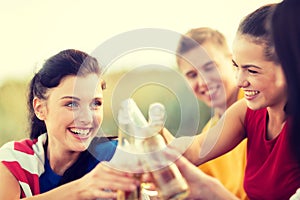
point(271, 172)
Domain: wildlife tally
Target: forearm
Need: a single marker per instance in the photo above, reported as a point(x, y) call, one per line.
point(102, 182)
point(192, 152)
point(68, 191)
point(189, 146)
point(213, 189)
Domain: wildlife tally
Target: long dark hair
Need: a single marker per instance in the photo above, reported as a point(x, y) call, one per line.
point(254, 26)
point(67, 62)
point(286, 35)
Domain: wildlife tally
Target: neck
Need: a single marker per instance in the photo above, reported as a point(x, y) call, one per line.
point(277, 113)
point(60, 160)
point(276, 120)
point(277, 116)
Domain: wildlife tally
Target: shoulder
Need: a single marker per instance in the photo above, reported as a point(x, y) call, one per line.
point(237, 111)
point(23, 146)
point(26, 146)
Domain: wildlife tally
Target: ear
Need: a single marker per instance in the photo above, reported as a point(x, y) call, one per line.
point(39, 106)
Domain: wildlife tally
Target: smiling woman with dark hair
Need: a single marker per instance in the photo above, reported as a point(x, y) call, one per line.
point(66, 110)
point(264, 116)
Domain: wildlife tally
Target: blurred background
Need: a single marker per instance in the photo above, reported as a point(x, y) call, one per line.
point(33, 30)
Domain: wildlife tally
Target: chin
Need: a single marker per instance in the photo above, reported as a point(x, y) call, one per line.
point(218, 104)
point(254, 107)
point(81, 148)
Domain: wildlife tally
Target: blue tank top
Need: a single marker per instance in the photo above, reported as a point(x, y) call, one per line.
point(102, 151)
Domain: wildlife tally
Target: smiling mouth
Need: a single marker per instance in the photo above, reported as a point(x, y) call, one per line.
point(251, 93)
point(80, 132)
point(210, 91)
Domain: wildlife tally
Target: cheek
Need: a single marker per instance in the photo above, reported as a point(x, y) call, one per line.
point(60, 115)
point(213, 76)
point(280, 80)
point(192, 83)
point(98, 117)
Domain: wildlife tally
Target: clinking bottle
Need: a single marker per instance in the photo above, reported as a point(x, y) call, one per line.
point(131, 121)
point(167, 177)
point(142, 137)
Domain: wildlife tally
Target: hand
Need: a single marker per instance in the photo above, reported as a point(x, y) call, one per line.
point(201, 185)
point(104, 181)
point(126, 161)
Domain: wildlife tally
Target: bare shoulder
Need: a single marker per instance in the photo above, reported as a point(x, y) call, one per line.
point(237, 110)
point(9, 186)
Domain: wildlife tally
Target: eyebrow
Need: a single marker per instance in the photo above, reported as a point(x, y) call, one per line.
point(245, 66)
point(208, 63)
point(204, 65)
point(76, 98)
point(70, 97)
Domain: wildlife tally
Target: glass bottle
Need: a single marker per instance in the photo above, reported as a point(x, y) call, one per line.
point(130, 120)
point(139, 137)
point(167, 177)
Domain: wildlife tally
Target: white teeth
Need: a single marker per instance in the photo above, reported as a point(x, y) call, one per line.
point(80, 131)
point(251, 93)
point(212, 90)
point(209, 91)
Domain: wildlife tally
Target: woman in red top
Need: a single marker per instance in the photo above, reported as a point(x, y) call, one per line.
point(273, 170)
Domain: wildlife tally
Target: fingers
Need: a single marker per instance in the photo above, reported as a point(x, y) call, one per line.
point(105, 194)
point(183, 164)
point(125, 161)
point(110, 169)
point(104, 182)
point(113, 178)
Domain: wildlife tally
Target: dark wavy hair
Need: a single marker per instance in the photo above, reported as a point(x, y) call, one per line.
point(254, 26)
point(285, 26)
point(67, 62)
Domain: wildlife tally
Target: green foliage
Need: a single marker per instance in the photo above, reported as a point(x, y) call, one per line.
point(13, 119)
point(13, 96)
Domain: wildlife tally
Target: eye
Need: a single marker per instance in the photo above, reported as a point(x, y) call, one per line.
point(72, 104)
point(96, 104)
point(252, 71)
point(191, 74)
point(210, 67)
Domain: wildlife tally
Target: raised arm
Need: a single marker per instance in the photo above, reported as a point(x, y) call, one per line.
point(218, 140)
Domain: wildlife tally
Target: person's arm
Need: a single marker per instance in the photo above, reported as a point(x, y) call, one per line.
point(201, 185)
point(218, 140)
point(9, 186)
point(101, 182)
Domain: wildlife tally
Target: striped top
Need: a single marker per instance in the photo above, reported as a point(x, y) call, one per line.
point(26, 160)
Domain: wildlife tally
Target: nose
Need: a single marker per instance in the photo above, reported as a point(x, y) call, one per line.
point(241, 79)
point(199, 82)
point(84, 116)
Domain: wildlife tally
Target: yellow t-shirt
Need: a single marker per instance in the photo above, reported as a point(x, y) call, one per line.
point(229, 168)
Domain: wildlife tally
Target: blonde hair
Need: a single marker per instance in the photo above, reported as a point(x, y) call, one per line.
point(195, 37)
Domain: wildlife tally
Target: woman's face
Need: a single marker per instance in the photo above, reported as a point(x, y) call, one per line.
point(74, 112)
point(262, 81)
point(210, 74)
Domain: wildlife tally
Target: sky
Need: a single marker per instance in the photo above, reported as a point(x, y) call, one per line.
point(33, 30)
